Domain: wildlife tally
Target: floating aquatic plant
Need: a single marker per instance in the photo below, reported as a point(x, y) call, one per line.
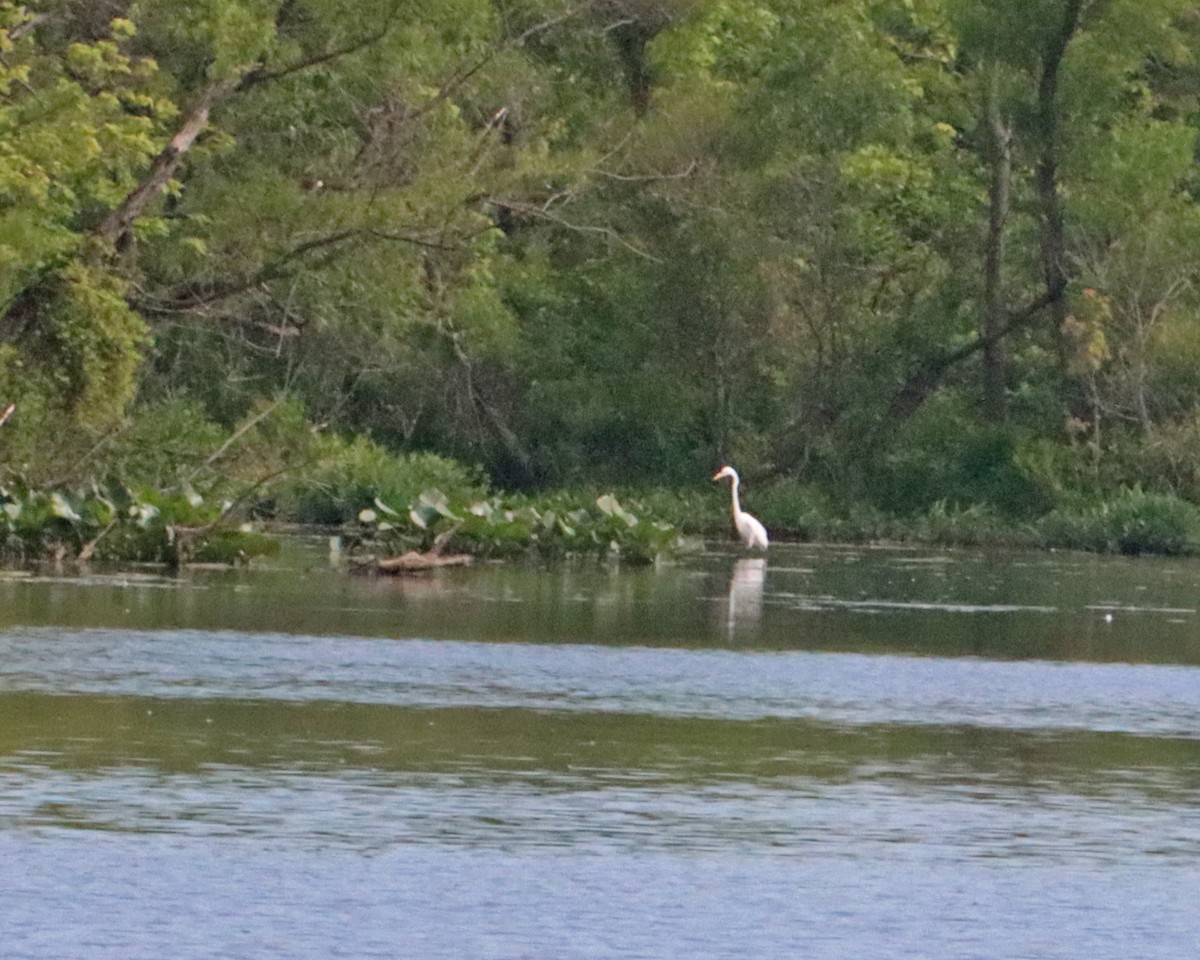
point(113, 522)
point(506, 527)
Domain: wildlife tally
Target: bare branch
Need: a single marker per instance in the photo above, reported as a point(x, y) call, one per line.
point(262, 75)
point(197, 297)
point(457, 80)
point(543, 212)
point(118, 223)
point(400, 236)
point(28, 26)
point(234, 438)
point(89, 548)
point(647, 177)
point(926, 378)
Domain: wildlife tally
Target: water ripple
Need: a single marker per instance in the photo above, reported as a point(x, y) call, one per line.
point(848, 688)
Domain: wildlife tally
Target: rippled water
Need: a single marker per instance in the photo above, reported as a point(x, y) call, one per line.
point(832, 754)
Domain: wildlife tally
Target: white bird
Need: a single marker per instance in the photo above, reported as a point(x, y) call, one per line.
point(753, 533)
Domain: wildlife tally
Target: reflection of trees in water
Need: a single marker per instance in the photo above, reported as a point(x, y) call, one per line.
point(745, 593)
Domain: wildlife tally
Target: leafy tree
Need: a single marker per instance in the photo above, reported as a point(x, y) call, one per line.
point(892, 246)
point(78, 121)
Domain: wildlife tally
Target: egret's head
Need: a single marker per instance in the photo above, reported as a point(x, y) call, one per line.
point(725, 472)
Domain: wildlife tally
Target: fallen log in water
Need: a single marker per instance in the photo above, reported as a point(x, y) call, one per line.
point(414, 562)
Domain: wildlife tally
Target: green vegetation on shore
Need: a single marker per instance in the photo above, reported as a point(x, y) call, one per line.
point(921, 269)
point(275, 470)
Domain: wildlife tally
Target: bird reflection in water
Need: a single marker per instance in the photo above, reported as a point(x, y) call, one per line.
point(744, 609)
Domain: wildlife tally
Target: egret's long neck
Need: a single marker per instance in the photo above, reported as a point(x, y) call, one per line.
point(733, 492)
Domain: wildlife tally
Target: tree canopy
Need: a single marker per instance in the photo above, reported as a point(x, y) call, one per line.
point(918, 249)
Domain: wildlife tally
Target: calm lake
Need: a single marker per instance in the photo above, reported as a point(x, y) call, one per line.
point(832, 753)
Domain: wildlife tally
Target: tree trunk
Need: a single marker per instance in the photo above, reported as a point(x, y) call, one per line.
point(632, 24)
point(929, 374)
point(116, 226)
point(995, 359)
point(1054, 234)
point(631, 40)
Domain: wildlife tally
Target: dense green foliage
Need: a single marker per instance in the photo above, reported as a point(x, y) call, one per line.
point(918, 259)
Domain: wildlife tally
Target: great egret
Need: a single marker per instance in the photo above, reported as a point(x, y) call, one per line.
point(753, 533)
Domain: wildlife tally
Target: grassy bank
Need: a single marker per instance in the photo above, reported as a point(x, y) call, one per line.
point(175, 488)
point(115, 523)
point(1131, 522)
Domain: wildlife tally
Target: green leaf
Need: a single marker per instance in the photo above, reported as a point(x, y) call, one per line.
point(437, 501)
point(422, 515)
point(609, 506)
point(60, 507)
point(384, 508)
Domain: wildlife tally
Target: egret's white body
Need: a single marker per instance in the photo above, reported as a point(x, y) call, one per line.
point(753, 533)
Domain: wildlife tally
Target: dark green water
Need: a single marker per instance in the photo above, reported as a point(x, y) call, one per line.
point(835, 753)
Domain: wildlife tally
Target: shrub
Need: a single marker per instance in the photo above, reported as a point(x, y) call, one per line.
point(351, 475)
point(164, 445)
point(978, 525)
point(1132, 523)
point(945, 454)
point(796, 508)
point(1171, 454)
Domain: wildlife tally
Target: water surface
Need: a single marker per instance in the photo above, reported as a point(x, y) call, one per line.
point(830, 753)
